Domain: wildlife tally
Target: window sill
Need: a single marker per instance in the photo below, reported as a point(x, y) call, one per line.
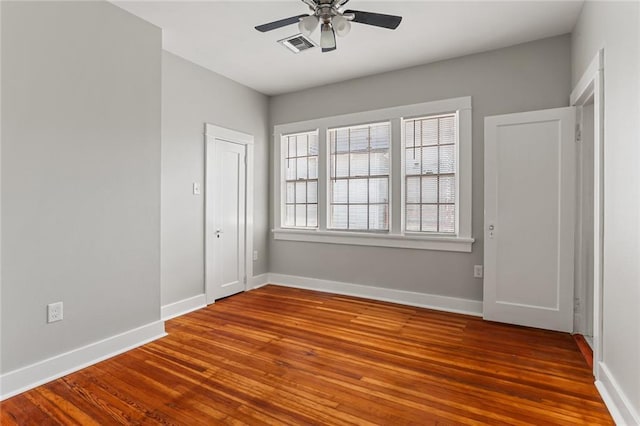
point(409, 241)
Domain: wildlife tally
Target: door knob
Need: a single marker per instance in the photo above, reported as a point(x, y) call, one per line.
point(491, 227)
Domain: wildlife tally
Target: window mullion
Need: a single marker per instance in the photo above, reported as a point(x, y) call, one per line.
point(324, 185)
point(438, 184)
point(348, 177)
point(421, 173)
point(306, 185)
point(369, 178)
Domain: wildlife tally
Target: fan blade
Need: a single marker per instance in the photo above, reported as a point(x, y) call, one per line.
point(376, 19)
point(281, 23)
point(327, 38)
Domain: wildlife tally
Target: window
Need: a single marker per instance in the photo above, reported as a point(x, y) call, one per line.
point(300, 180)
point(430, 174)
point(403, 179)
point(359, 177)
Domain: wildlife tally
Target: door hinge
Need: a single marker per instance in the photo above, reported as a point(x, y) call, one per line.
point(578, 133)
point(244, 280)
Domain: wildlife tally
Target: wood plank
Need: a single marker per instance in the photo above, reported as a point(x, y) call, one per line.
point(585, 349)
point(279, 355)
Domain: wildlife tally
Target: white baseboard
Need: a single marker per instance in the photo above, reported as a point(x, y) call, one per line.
point(259, 281)
point(619, 406)
point(422, 300)
point(182, 307)
point(25, 378)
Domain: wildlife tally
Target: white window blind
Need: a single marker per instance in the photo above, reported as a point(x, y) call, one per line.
point(300, 158)
point(430, 174)
point(359, 177)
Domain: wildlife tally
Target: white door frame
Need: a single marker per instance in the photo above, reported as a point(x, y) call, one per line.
point(211, 134)
point(591, 85)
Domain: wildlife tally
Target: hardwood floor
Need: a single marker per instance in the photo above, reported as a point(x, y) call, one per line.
point(284, 356)
point(584, 349)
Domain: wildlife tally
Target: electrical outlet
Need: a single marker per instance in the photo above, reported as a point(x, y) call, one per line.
point(255, 255)
point(477, 271)
point(54, 312)
point(196, 188)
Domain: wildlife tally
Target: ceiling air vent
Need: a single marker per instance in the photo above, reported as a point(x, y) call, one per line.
point(297, 43)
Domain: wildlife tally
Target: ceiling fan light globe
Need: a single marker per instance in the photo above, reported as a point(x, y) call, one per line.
point(327, 37)
point(308, 24)
point(341, 25)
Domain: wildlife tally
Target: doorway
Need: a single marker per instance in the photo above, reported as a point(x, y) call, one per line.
point(584, 288)
point(588, 98)
point(228, 212)
point(587, 265)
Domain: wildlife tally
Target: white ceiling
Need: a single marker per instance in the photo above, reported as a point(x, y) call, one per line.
point(220, 36)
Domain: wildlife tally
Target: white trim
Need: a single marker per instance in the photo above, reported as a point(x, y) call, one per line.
point(259, 281)
point(25, 378)
point(249, 210)
point(396, 180)
point(584, 87)
point(212, 133)
point(395, 237)
point(409, 241)
point(422, 300)
point(0, 203)
point(234, 136)
point(614, 398)
point(464, 173)
point(591, 84)
point(384, 114)
point(183, 306)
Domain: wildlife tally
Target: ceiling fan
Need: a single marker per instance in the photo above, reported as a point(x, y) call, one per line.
point(334, 20)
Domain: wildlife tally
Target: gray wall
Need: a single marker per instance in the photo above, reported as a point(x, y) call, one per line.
point(531, 76)
point(80, 175)
point(192, 96)
point(616, 27)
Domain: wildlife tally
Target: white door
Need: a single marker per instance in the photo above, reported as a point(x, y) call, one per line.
point(226, 212)
point(529, 195)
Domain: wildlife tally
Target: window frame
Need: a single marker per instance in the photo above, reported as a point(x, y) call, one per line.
point(461, 241)
point(329, 203)
point(456, 173)
point(284, 181)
